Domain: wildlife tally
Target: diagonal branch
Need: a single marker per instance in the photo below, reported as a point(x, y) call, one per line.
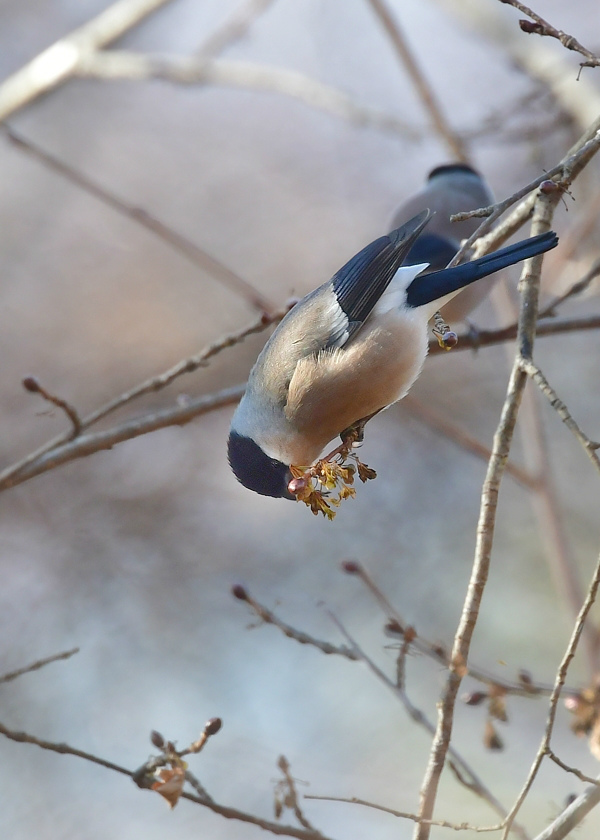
point(529, 288)
point(59, 62)
point(184, 246)
point(422, 86)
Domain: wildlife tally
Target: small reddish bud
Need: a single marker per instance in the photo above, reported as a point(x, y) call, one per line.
point(450, 340)
point(212, 726)
point(573, 702)
point(531, 28)
point(297, 485)
point(239, 592)
point(410, 634)
point(157, 739)
point(548, 187)
point(30, 383)
point(525, 678)
point(351, 567)
point(265, 319)
point(474, 698)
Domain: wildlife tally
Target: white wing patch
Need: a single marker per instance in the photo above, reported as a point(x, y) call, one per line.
point(394, 296)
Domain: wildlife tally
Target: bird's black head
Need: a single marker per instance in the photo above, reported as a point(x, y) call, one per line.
point(447, 168)
point(255, 470)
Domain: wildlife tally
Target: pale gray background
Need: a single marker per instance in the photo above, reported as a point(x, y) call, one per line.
point(131, 554)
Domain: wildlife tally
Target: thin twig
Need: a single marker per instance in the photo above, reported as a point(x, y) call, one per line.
point(269, 617)
point(58, 63)
point(179, 243)
point(575, 289)
point(542, 27)
point(572, 816)
point(234, 28)
point(558, 686)
point(223, 810)
point(31, 384)
point(529, 288)
point(354, 800)
point(88, 444)
point(422, 86)
point(462, 770)
point(291, 798)
point(40, 663)
point(244, 75)
point(457, 435)
point(178, 413)
point(60, 449)
point(590, 446)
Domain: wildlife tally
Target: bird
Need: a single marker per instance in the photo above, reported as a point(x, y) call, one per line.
point(347, 350)
point(450, 188)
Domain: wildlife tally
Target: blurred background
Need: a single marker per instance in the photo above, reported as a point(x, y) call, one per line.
point(130, 554)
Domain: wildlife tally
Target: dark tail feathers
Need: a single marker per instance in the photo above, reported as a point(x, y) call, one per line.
point(429, 287)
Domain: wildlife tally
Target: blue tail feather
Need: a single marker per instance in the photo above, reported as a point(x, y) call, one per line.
point(426, 288)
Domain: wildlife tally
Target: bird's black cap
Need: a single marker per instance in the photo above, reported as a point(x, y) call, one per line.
point(255, 470)
point(446, 168)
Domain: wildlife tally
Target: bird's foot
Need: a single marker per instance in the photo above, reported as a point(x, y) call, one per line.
point(446, 337)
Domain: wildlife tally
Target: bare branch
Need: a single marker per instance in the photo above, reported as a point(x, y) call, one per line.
point(181, 244)
point(552, 706)
point(529, 288)
point(40, 663)
point(354, 800)
point(542, 27)
point(59, 62)
point(31, 384)
point(88, 444)
point(234, 28)
point(246, 76)
point(223, 810)
point(590, 446)
point(178, 414)
point(269, 617)
point(422, 86)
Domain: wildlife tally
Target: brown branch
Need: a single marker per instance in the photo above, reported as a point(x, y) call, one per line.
point(457, 435)
point(269, 617)
point(291, 797)
point(234, 28)
point(59, 62)
point(179, 243)
point(243, 75)
point(422, 86)
point(476, 339)
point(558, 686)
point(572, 816)
point(60, 450)
point(40, 663)
point(31, 384)
point(542, 27)
point(576, 159)
point(590, 446)
point(576, 289)
point(223, 810)
point(88, 444)
point(354, 800)
point(179, 414)
point(462, 771)
point(529, 289)
point(398, 628)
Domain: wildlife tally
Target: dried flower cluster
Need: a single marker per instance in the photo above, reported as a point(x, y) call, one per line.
point(317, 485)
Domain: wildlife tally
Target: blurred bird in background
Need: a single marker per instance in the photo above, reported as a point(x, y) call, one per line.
point(450, 188)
